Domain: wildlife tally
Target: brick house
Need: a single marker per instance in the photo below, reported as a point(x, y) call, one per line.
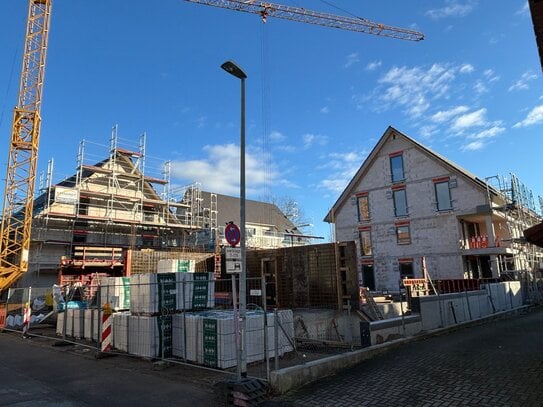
point(406, 203)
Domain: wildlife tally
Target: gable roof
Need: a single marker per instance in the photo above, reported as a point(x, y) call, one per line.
point(349, 190)
point(256, 212)
point(122, 159)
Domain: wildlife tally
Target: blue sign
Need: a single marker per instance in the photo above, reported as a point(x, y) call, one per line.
point(232, 234)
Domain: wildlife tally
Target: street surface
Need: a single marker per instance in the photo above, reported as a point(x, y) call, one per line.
point(35, 373)
point(496, 364)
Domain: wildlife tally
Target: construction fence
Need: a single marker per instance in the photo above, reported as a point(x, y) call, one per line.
point(192, 318)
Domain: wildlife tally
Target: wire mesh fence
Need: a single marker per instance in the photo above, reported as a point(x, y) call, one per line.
point(176, 317)
point(25, 307)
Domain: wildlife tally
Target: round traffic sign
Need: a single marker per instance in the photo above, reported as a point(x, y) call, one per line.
point(232, 234)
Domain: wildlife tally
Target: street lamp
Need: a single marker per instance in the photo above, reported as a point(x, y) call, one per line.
point(235, 70)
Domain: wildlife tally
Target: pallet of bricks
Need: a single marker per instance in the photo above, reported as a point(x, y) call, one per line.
point(169, 313)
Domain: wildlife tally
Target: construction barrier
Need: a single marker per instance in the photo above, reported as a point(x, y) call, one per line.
point(26, 318)
point(106, 328)
point(2, 316)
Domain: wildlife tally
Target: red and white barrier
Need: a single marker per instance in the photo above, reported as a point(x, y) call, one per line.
point(26, 319)
point(107, 333)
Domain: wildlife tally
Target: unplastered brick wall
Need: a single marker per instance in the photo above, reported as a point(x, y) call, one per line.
point(146, 261)
point(433, 234)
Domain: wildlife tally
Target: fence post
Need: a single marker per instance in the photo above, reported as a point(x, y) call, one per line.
point(27, 314)
point(65, 316)
point(266, 346)
point(183, 284)
point(236, 327)
point(276, 337)
point(98, 318)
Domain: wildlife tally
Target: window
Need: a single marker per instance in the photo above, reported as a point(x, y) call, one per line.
point(443, 195)
point(406, 270)
point(368, 278)
point(403, 234)
point(363, 207)
point(365, 242)
point(396, 167)
point(400, 202)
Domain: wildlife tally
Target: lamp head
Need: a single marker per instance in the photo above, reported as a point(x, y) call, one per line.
point(233, 69)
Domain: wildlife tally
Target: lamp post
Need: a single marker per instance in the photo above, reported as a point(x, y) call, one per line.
point(235, 70)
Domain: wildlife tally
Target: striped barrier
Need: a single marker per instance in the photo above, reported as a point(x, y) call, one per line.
point(106, 328)
point(26, 319)
point(2, 316)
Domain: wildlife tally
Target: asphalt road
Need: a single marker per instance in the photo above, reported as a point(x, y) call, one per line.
point(35, 373)
point(496, 364)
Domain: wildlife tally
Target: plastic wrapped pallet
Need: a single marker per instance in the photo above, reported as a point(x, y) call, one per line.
point(78, 323)
point(60, 324)
point(153, 293)
point(116, 292)
point(69, 322)
point(185, 324)
point(176, 266)
point(92, 324)
point(196, 291)
point(120, 330)
point(150, 337)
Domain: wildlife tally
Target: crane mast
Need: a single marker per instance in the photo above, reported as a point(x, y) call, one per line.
point(23, 148)
point(265, 9)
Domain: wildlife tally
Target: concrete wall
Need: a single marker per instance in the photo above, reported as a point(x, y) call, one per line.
point(448, 310)
point(451, 309)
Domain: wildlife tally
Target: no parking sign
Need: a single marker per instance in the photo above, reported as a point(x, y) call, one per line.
point(232, 234)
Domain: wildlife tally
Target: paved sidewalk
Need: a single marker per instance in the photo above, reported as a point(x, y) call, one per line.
point(496, 364)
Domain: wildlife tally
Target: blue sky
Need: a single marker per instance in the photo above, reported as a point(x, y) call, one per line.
point(318, 99)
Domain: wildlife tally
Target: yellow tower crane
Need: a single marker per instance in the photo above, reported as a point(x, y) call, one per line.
point(25, 132)
point(358, 24)
point(23, 148)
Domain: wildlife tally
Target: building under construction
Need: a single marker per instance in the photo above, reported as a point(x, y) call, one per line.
point(86, 223)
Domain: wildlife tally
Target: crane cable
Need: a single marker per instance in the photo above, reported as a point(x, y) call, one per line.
point(264, 77)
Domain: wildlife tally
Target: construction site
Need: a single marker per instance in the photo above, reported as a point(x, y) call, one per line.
point(117, 259)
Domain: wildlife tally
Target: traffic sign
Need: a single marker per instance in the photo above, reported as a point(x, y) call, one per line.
point(232, 234)
point(233, 259)
point(233, 253)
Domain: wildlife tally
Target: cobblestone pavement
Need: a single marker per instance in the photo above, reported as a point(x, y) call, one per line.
point(496, 364)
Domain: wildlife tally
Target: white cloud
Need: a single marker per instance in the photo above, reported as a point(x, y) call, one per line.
point(325, 110)
point(522, 83)
point(201, 122)
point(487, 133)
point(341, 168)
point(452, 9)
point(535, 116)
point(445, 115)
point(372, 66)
point(351, 60)
point(524, 10)
point(473, 146)
point(468, 120)
point(219, 171)
point(466, 68)
point(414, 88)
point(310, 140)
point(276, 136)
point(491, 75)
point(480, 87)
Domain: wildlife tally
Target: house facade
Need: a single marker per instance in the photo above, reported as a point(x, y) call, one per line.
point(266, 226)
point(412, 211)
